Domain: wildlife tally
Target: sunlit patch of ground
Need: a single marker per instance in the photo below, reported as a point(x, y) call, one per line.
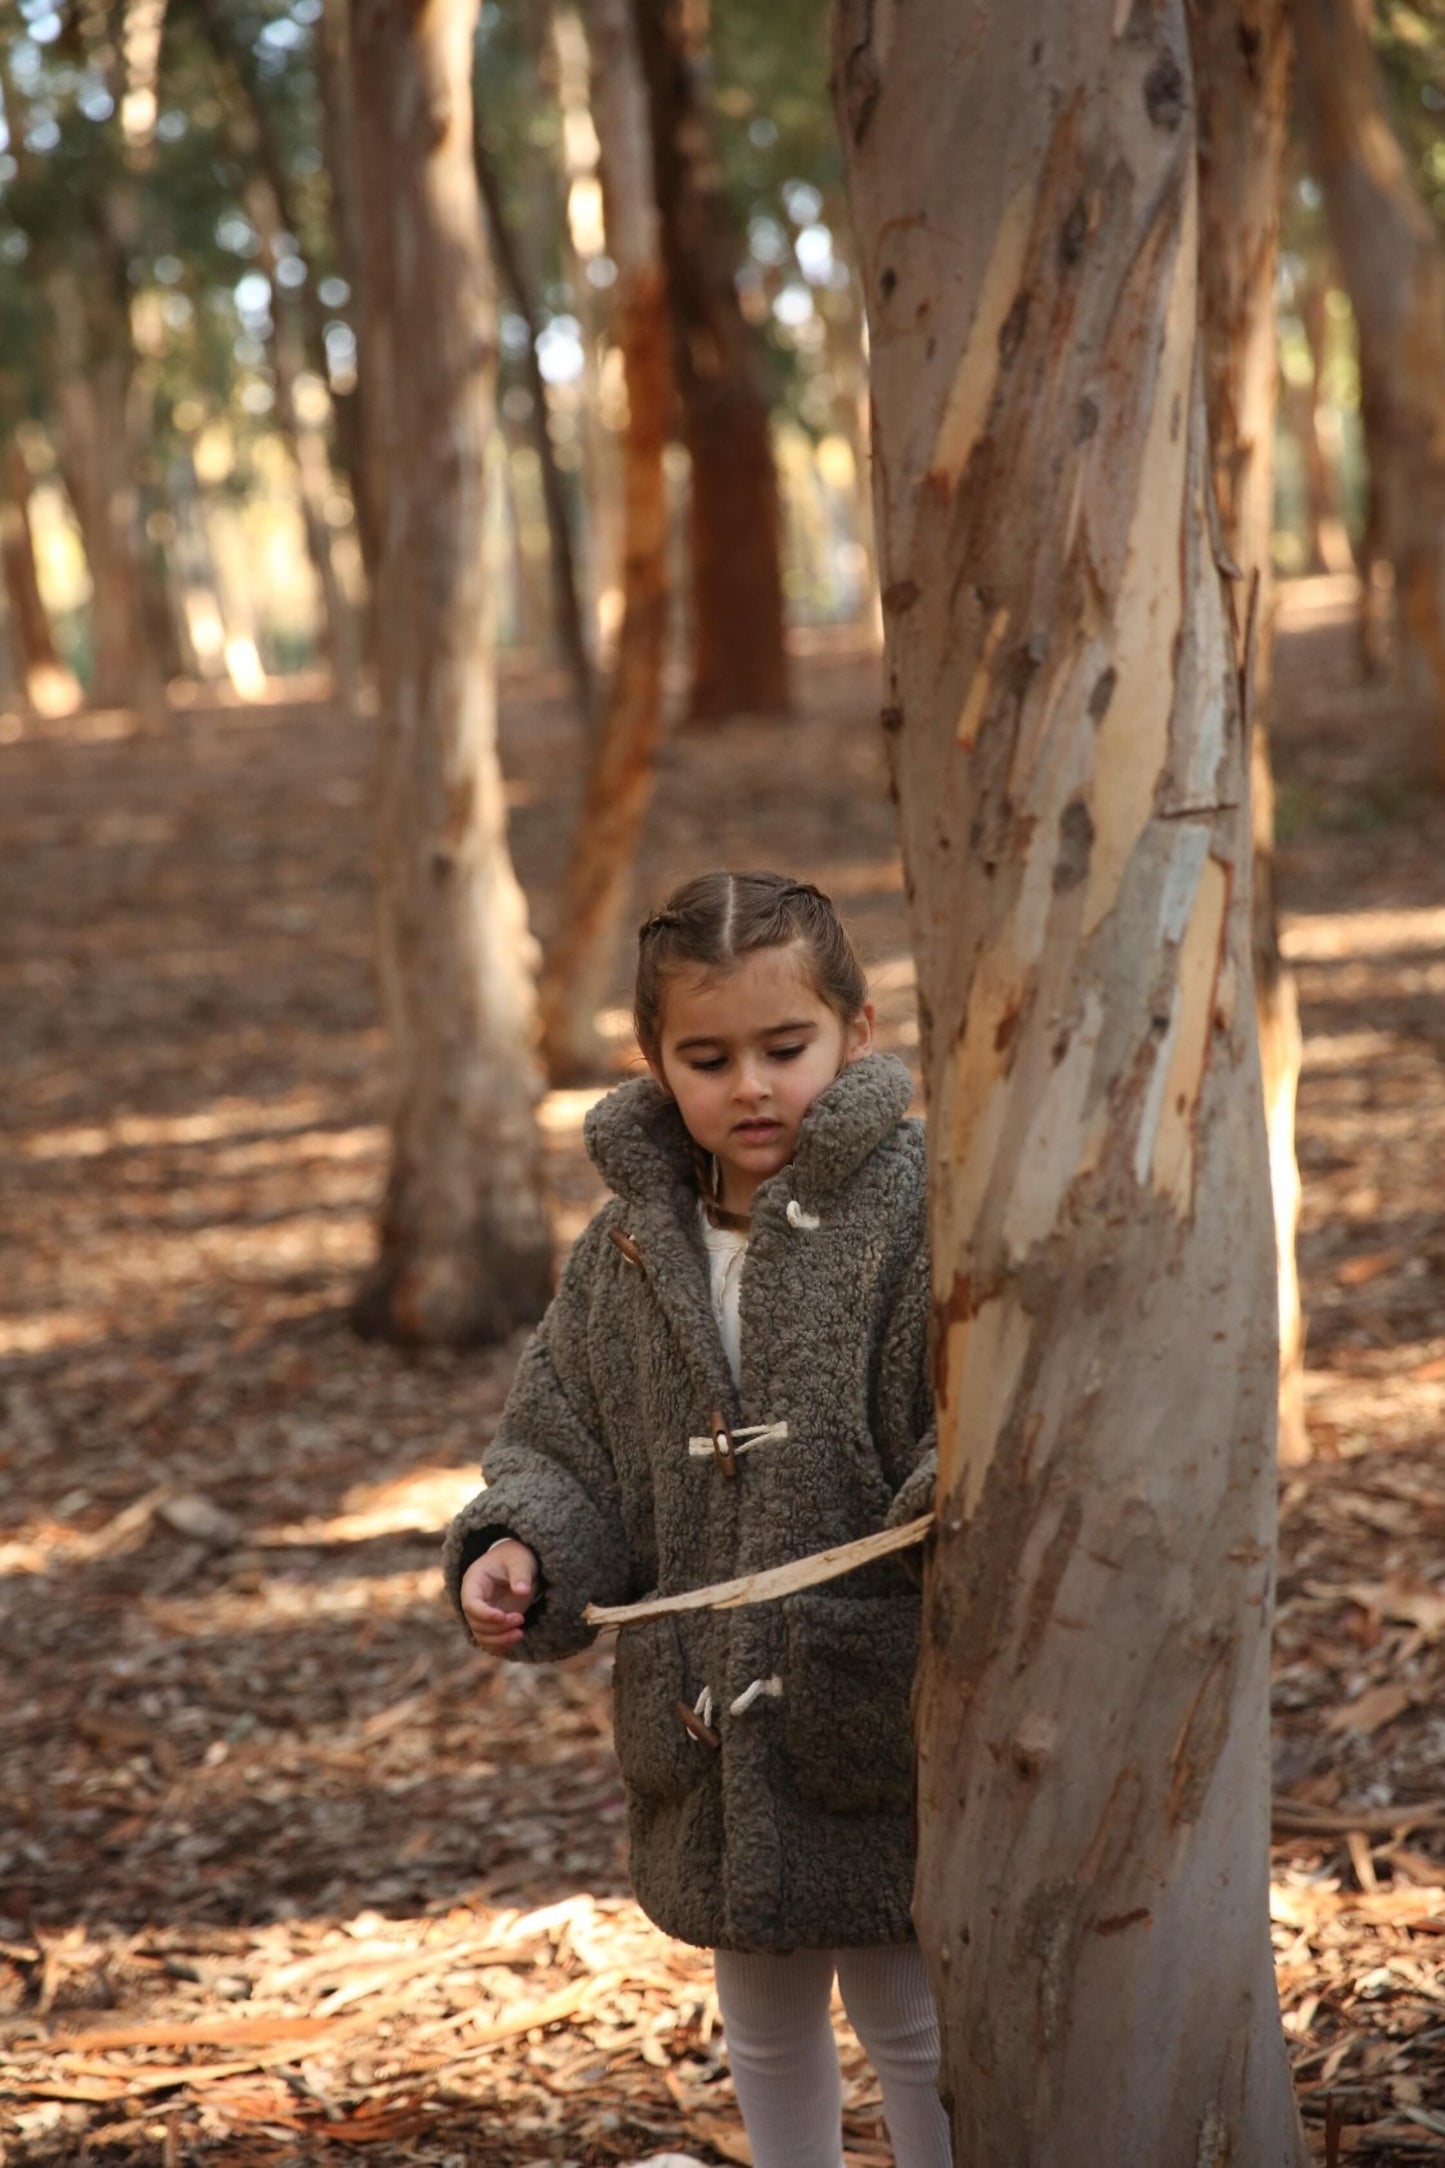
point(286, 1871)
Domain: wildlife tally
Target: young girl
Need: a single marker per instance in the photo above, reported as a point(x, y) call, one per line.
point(734, 1374)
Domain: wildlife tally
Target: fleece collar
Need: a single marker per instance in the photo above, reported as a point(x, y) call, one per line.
point(638, 1143)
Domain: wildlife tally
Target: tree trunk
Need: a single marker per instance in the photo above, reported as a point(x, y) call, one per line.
point(739, 661)
point(90, 391)
point(567, 610)
point(46, 684)
point(338, 135)
point(599, 875)
point(1241, 72)
point(1065, 724)
point(465, 1250)
point(1394, 270)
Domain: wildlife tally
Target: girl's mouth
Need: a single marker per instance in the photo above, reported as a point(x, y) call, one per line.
point(756, 1130)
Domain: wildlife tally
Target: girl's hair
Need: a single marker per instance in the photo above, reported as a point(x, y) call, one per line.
point(716, 918)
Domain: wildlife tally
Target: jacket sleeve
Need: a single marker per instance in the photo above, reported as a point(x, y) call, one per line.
point(907, 1432)
point(550, 1480)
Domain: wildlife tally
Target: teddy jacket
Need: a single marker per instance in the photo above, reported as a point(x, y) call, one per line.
point(781, 1815)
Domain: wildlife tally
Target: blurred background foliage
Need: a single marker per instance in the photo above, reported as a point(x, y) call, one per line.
point(137, 172)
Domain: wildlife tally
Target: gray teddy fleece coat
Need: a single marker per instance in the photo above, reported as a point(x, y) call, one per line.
point(791, 1825)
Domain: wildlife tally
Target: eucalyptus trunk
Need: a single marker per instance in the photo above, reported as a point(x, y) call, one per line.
point(464, 1250)
point(1241, 53)
point(1393, 267)
point(583, 955)
point(1065, 722)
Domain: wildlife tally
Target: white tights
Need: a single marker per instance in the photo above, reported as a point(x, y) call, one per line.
point(785, 2064)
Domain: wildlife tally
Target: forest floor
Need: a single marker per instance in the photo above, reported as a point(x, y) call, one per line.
point(287, 1873)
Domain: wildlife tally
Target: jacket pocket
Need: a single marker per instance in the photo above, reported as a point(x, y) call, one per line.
point(660, 1758)
point(846, 1691)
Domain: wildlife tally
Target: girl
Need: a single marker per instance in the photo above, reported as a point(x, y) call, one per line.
point(734, 1374)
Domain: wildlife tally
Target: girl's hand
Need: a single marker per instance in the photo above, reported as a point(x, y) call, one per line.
point(496, 1590)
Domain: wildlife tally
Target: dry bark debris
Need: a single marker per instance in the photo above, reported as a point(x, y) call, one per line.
point(285, 1873)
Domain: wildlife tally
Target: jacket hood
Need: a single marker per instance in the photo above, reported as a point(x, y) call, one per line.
point(639, 1145)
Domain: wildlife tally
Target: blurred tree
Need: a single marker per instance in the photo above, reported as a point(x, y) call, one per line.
point(1241, 68)
point(73, 197)
point(739, 653)
point(598, 880)
point(296, 333)
point(507, 248)
point(1063, 713)
point(465, 1250)
point(1393, 264)
point(42, 679)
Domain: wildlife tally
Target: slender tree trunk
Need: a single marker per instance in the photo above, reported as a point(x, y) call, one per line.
point(599, 874)
point(1241, 69)
point(46, 683)
point(90, 391)
point(566, 607)
point(465, 1250)
point(739, 662)
point(1394, 270)
point(1067, 742)
point(338, 133)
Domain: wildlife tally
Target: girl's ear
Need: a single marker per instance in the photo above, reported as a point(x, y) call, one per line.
point(858, 1038)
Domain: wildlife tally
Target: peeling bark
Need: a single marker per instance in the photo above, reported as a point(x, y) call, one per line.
point(1069, 755)
point(1394, 269)
point(619, 785)
point(1241, 65)
point(465, 1251)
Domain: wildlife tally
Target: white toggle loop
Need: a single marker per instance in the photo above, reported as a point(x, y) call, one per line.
point(743, 1440)
point(805, 1222)
point(702, 1707)
point(771, 1687)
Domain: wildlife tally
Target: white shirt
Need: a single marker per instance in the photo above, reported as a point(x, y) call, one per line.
point(726, 1250)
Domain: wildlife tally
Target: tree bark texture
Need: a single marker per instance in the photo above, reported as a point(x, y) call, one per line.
point(1394, 270)
point(465, 1251)
point(739, 656)
point(1065, 722)
point(1241, 55)
point(619, 785)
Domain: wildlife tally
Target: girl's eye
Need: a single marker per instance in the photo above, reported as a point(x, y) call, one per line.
point(706, 1068)
point(786, 1053)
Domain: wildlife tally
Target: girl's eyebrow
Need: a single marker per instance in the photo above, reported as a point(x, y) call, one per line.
point(769, 1031)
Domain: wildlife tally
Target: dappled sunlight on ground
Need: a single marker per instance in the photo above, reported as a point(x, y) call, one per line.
point(284, 1865)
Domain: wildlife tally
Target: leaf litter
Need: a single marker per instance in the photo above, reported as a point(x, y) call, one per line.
point(286, 1873)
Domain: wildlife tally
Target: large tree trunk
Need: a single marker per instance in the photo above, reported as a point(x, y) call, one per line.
point(599, 874)
point(1066, 732)
point(46, 684)
point(465, 1252)
point(1394, 270)
point(1241, 70)
point(739, 658)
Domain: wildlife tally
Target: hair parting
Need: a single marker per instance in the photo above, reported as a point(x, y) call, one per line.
point(716, 918)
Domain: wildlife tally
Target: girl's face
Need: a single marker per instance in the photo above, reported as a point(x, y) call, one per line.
point(745, 1052)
